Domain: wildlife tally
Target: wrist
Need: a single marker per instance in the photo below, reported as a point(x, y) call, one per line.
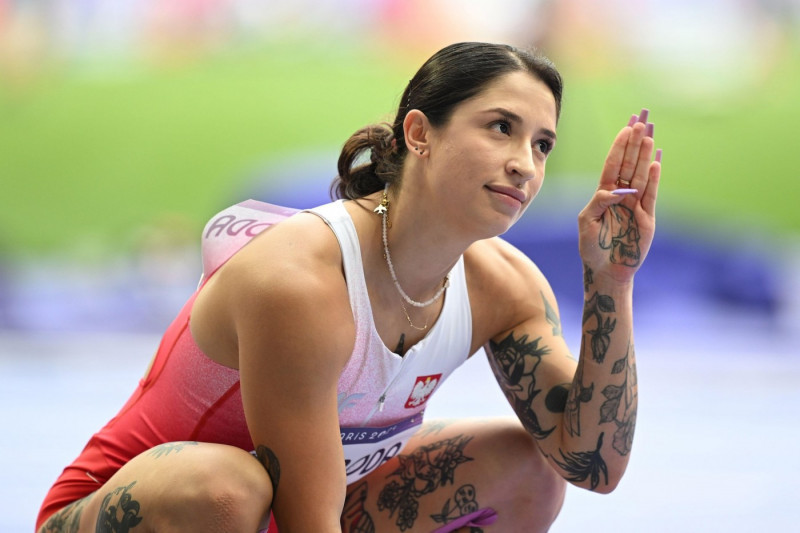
point(606, 282)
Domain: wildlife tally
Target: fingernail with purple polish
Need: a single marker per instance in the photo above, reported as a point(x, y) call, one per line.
point(620, 192)
point(643, 115)
point(633, 120)
point(651, 128)
point(658, 155)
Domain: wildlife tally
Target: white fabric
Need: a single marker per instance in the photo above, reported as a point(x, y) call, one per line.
point(374, 430)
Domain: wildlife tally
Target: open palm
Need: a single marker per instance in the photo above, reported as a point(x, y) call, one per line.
point(616, 227)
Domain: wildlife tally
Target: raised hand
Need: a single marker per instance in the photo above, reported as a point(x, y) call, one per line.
point(616, 227)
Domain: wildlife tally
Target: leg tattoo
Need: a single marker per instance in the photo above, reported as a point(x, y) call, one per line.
point(355, 518)
point(166, 449)
point(464, 504)
point(433, 427)
point(67, 520)
point(427, 469)
point(120, 516)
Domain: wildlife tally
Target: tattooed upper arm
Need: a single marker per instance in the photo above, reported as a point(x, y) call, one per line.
point(551, 315)
point(529, 356)
point(534, 368)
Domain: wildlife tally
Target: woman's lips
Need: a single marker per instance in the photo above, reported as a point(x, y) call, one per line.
point(513, 192)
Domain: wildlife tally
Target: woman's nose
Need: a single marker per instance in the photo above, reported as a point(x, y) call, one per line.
point(521, 164)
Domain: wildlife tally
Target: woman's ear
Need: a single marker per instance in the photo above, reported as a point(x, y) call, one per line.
point(416, 129)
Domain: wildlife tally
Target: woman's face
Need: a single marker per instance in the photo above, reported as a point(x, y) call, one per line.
point(490, 156)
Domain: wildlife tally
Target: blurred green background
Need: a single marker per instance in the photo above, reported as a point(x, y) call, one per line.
point(126, 124)
point(102, 136)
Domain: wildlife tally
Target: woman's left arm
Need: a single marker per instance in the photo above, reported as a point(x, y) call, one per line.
point(583, 412)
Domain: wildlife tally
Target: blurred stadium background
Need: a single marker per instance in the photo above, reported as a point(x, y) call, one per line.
point(125, 125)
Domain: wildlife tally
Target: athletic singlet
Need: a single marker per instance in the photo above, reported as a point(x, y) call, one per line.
point(188, 397)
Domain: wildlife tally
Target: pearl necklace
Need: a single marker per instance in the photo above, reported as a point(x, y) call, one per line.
point(383, 211)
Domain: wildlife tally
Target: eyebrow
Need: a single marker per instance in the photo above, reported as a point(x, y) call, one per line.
point(513, 117)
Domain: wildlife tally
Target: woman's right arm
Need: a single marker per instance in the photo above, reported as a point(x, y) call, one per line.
point(293, 326)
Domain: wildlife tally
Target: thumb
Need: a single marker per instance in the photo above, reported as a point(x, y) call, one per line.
point(604, 199)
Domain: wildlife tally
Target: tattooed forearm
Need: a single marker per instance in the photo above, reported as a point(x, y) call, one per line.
point(588, 278)
point(580, 466)
point(429, 468)
point(620, 404)
point(600, 337)
point(578, 394)
point(270, 462)
point(619, 233)
point(514, 364)
point(119, 511)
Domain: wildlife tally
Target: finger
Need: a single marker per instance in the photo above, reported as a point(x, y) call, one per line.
point(602, 200)
point(613, 163)
point(651, 191)
point(633, 154)
point(631, 157)
point(640, 175)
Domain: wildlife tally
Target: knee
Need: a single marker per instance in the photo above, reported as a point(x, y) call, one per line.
point(538, 488)
point(232, 493)
point(546, 489)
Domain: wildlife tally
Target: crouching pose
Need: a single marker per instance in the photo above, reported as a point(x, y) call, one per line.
point(289, 392)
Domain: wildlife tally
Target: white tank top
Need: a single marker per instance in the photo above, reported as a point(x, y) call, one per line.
point(382, 396)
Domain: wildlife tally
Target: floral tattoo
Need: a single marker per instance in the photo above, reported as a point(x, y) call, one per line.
point(420, 473)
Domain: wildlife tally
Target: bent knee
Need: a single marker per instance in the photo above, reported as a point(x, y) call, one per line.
point(233, 483)
point(537, 485)
point(217, 489)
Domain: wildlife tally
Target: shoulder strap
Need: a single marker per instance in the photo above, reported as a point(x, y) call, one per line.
point(232, 228)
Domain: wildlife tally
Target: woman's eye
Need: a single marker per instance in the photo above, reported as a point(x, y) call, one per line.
point(503, 127)
point(544, 146)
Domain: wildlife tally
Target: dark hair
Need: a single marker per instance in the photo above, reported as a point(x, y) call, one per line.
point(454, 74)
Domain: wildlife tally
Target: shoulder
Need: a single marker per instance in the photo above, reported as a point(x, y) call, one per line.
point(300, 250)
point(285, 284)
point(499, 265)
point(505, 286)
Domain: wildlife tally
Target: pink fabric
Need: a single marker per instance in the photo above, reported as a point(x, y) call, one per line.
point(231, 229)
point(271, 528)
point(482, 517)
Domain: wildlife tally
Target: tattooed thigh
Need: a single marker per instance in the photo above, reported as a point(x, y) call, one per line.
point(417, 490)
point(119, 511)
point(185, 486)
point(68, 519)
point(461, 475)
